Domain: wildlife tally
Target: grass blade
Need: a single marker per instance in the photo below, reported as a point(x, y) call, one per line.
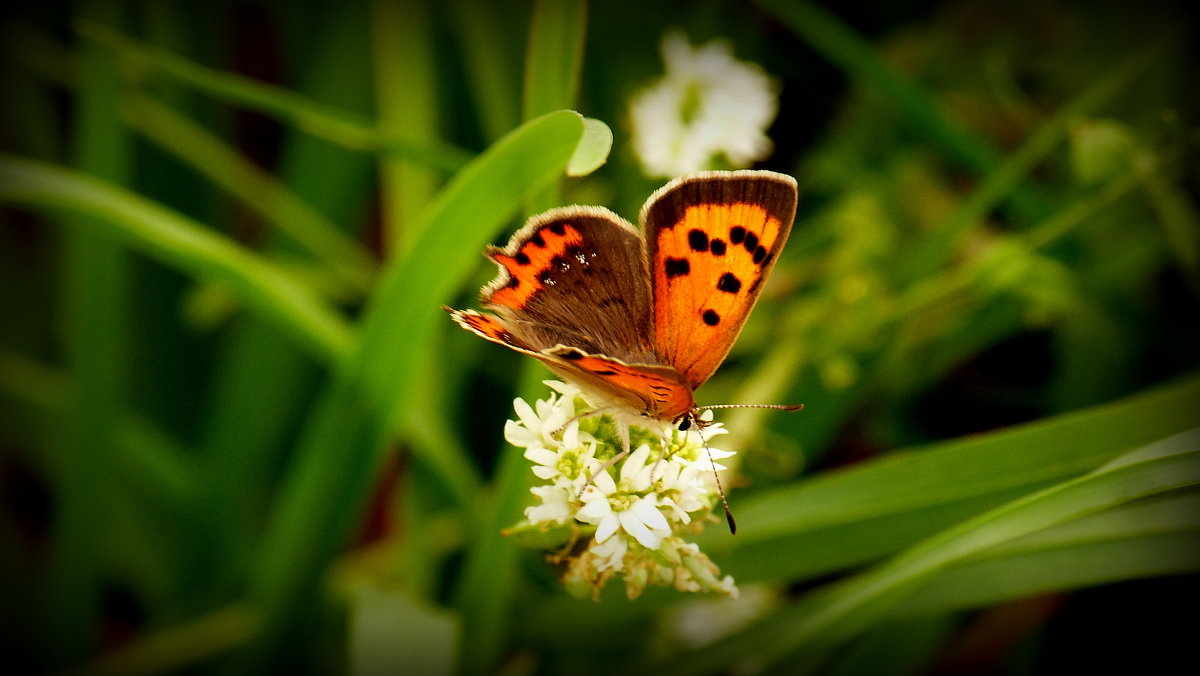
point(333, 125)
point(324, 490)
point(182, 243)
point(851, 517)
point(96, 305)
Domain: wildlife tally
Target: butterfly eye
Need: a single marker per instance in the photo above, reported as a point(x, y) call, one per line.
point(685, 424)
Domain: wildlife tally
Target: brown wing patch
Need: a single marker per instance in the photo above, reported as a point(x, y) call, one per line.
point(662, 391)
point(713, 240)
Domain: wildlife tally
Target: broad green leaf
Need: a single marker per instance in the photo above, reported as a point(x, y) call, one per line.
point(1153, 537)
point(852, 516)
point(339, 449)
point(593, 148)
point(805, 634)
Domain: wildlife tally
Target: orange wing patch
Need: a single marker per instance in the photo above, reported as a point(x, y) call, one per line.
point(661, 389)
point(708, 270)
point(490, 328)
point(525, 270)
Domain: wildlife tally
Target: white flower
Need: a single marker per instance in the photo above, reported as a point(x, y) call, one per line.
point(707, 104)
point(537, 428)
point(642, 497)
point(610, 554)
point(556, 504)
point(610, 507)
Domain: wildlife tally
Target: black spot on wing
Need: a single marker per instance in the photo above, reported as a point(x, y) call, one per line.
point(729, 283)
point(717, 247)
point(677, 267)
point(711, 318)
point(751, 242)
point(697, 240)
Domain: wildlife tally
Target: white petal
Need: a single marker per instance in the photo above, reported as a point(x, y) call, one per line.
point(542, 456)
point(646, 510)
point(526, 414)
point(607, 527)
point(634, 526)
point(604, 483)
point(594, 511)
point(633, 466)
point(517, 435)
point(543, 472)
point(610, 555)
point(570, 437)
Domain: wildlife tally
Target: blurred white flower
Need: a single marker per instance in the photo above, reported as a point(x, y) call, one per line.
point(708, 104)
point(625, 525)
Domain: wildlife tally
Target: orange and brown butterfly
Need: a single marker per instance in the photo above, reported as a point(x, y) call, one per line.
point(640, 319)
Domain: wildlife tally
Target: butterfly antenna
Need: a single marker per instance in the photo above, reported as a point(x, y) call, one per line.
point(716, 475)
point(777, 407)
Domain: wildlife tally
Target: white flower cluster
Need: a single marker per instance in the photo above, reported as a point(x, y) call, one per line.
point(631, 508)
point(707, 104)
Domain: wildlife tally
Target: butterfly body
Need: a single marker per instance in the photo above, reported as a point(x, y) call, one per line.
point(640, 319)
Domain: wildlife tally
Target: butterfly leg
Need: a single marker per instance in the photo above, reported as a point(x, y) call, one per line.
point(586, 414)
point(623, 432)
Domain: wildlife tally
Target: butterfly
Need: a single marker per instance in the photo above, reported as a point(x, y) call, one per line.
point(640, 318)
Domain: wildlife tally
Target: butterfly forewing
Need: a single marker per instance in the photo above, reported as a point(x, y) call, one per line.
point(576, 276)
point(712, 240)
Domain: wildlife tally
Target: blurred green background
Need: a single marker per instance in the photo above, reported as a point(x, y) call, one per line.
point(238, 434)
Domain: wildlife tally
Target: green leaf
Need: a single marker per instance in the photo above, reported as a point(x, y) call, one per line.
point(593, 148)
point(340, 447)
point(853, 516)
point(806, 633)
point(331, 124)
point(1152, 537)
point(282, 208)
point(553, 59)
point(182, 243)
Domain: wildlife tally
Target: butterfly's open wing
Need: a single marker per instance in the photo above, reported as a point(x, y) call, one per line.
point(574, 292)
point(713, 238)
point(575, 276)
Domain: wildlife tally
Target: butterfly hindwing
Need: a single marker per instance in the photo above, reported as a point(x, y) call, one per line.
point(648, 388)
point(657, 390)
point(712, 239)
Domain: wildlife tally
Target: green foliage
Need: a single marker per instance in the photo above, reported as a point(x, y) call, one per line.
point(240, 434)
